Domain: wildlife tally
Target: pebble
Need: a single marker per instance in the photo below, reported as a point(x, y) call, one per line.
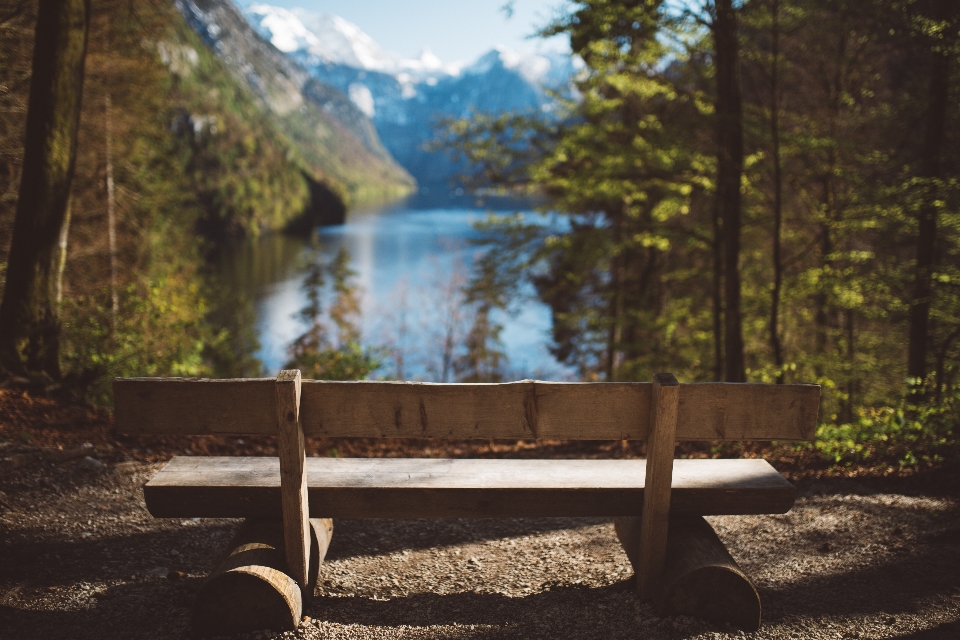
point(159, 572)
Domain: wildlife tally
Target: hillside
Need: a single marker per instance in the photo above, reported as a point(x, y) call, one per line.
point(203, 140)
point(252, 141)
point(336, 142)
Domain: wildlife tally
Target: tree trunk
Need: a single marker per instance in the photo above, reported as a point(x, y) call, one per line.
point(615, 329)
point(777, 190)
point(822, 314)
point(29, 312)
point(111, 212)
point(941, 361)
point(717, 294)
point(729, 172)
point(927, 232)
point(826, 315)
point(847, 406)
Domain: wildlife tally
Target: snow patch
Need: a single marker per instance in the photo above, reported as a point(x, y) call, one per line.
point(546, 69)
point(361, 96)
point(284, 30)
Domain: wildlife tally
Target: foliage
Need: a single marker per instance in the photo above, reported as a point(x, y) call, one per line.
point(192, 149)
point(160, 330)
point(621, 169)
point(905, 434)
point(629, 256)
point(160, 325)
point(330, 348)
point(483, 359)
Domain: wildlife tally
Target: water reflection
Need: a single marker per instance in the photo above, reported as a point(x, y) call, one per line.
point(408, 256)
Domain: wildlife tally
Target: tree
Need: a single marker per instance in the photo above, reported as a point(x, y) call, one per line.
point(621, 165)
point(729, 105)
point(482, 359)
point(777, 189)
point(931, 172)
point(828, 122)
point(332, 353)
point(29, 312)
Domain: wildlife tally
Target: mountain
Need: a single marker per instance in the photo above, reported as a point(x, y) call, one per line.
point(336, 142)
point(313, 37)
point(406, 97)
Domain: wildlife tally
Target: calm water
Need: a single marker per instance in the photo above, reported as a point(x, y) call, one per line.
point(409, 257)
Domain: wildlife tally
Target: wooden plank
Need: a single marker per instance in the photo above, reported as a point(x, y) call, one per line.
point(526, 409)
point(237, 487)
point(195, 406)
point(659, 478)
point(293, 477)
point(746, 411)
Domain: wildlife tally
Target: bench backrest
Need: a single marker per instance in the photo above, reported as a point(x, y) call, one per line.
point(514, 410)
point(660, 412)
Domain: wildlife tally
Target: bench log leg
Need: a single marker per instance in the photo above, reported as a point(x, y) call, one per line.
point(700, 577)
point(251, 588)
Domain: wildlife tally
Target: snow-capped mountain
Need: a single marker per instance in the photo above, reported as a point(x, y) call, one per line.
point(405, 97)
point(322, 38)
point(285, 87)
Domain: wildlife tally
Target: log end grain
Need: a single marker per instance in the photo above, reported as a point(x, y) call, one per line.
point(700, 577)
point(251, 588)
point(718, 594)
point(247, 599)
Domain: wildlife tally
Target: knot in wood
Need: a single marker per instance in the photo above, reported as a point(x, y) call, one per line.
point(290, 416)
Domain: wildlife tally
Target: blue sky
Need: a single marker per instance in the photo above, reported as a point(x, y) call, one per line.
point(453, 29)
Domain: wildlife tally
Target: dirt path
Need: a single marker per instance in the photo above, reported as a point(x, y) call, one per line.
point(81, 558)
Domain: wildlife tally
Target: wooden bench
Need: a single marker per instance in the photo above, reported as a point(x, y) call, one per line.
point(644, 494)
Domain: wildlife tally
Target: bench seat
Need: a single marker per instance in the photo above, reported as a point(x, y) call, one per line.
point(239, 487)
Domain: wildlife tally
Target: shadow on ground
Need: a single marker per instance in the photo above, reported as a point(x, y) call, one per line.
point(102, 589)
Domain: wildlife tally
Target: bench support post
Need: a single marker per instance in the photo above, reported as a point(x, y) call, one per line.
point(293, 477)
point(249, 589)
point(656, 491)
point(700, 577)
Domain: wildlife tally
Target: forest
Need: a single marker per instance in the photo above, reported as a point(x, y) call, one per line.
point(175, 156)
point(756, 191)
point(762, 191)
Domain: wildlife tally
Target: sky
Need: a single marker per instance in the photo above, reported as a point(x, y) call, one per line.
point(455, 30)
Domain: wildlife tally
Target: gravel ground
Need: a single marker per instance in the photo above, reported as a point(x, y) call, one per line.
point(81, 558)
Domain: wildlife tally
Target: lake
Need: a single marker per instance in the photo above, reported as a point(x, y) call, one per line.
point(410, 257)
